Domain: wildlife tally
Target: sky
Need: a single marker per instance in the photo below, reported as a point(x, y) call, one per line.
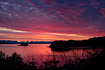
point(49, 20)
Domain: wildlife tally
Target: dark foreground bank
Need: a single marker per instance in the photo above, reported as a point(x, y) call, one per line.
point(95, 61)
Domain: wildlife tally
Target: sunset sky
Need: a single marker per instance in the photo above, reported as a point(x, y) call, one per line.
point(49, 20)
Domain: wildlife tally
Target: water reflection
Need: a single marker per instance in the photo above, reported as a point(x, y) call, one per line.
point(41, 52)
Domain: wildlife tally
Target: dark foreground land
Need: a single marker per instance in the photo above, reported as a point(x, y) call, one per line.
point(94, 61)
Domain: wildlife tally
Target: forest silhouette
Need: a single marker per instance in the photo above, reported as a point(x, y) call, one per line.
point(96, 41)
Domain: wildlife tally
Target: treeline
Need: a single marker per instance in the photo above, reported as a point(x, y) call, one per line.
point(96, 41)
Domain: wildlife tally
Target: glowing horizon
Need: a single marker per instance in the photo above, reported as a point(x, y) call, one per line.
point(18, 35)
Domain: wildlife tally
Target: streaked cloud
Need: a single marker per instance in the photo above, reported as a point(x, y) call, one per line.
point(62, 19)
point(11, 30)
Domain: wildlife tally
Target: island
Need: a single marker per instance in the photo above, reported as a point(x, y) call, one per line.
point(23, 44)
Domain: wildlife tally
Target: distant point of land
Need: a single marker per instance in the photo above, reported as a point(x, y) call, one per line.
point(93, 42)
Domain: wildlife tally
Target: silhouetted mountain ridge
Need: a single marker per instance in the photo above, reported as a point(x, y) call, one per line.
point(3, 42)
point(16, 42)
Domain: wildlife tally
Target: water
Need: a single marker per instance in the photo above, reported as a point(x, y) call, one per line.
point(40, 52)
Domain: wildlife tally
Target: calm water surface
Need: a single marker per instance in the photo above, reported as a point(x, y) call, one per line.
point(39, 51)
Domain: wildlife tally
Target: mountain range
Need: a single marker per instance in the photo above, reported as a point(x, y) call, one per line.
point(16, 42)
